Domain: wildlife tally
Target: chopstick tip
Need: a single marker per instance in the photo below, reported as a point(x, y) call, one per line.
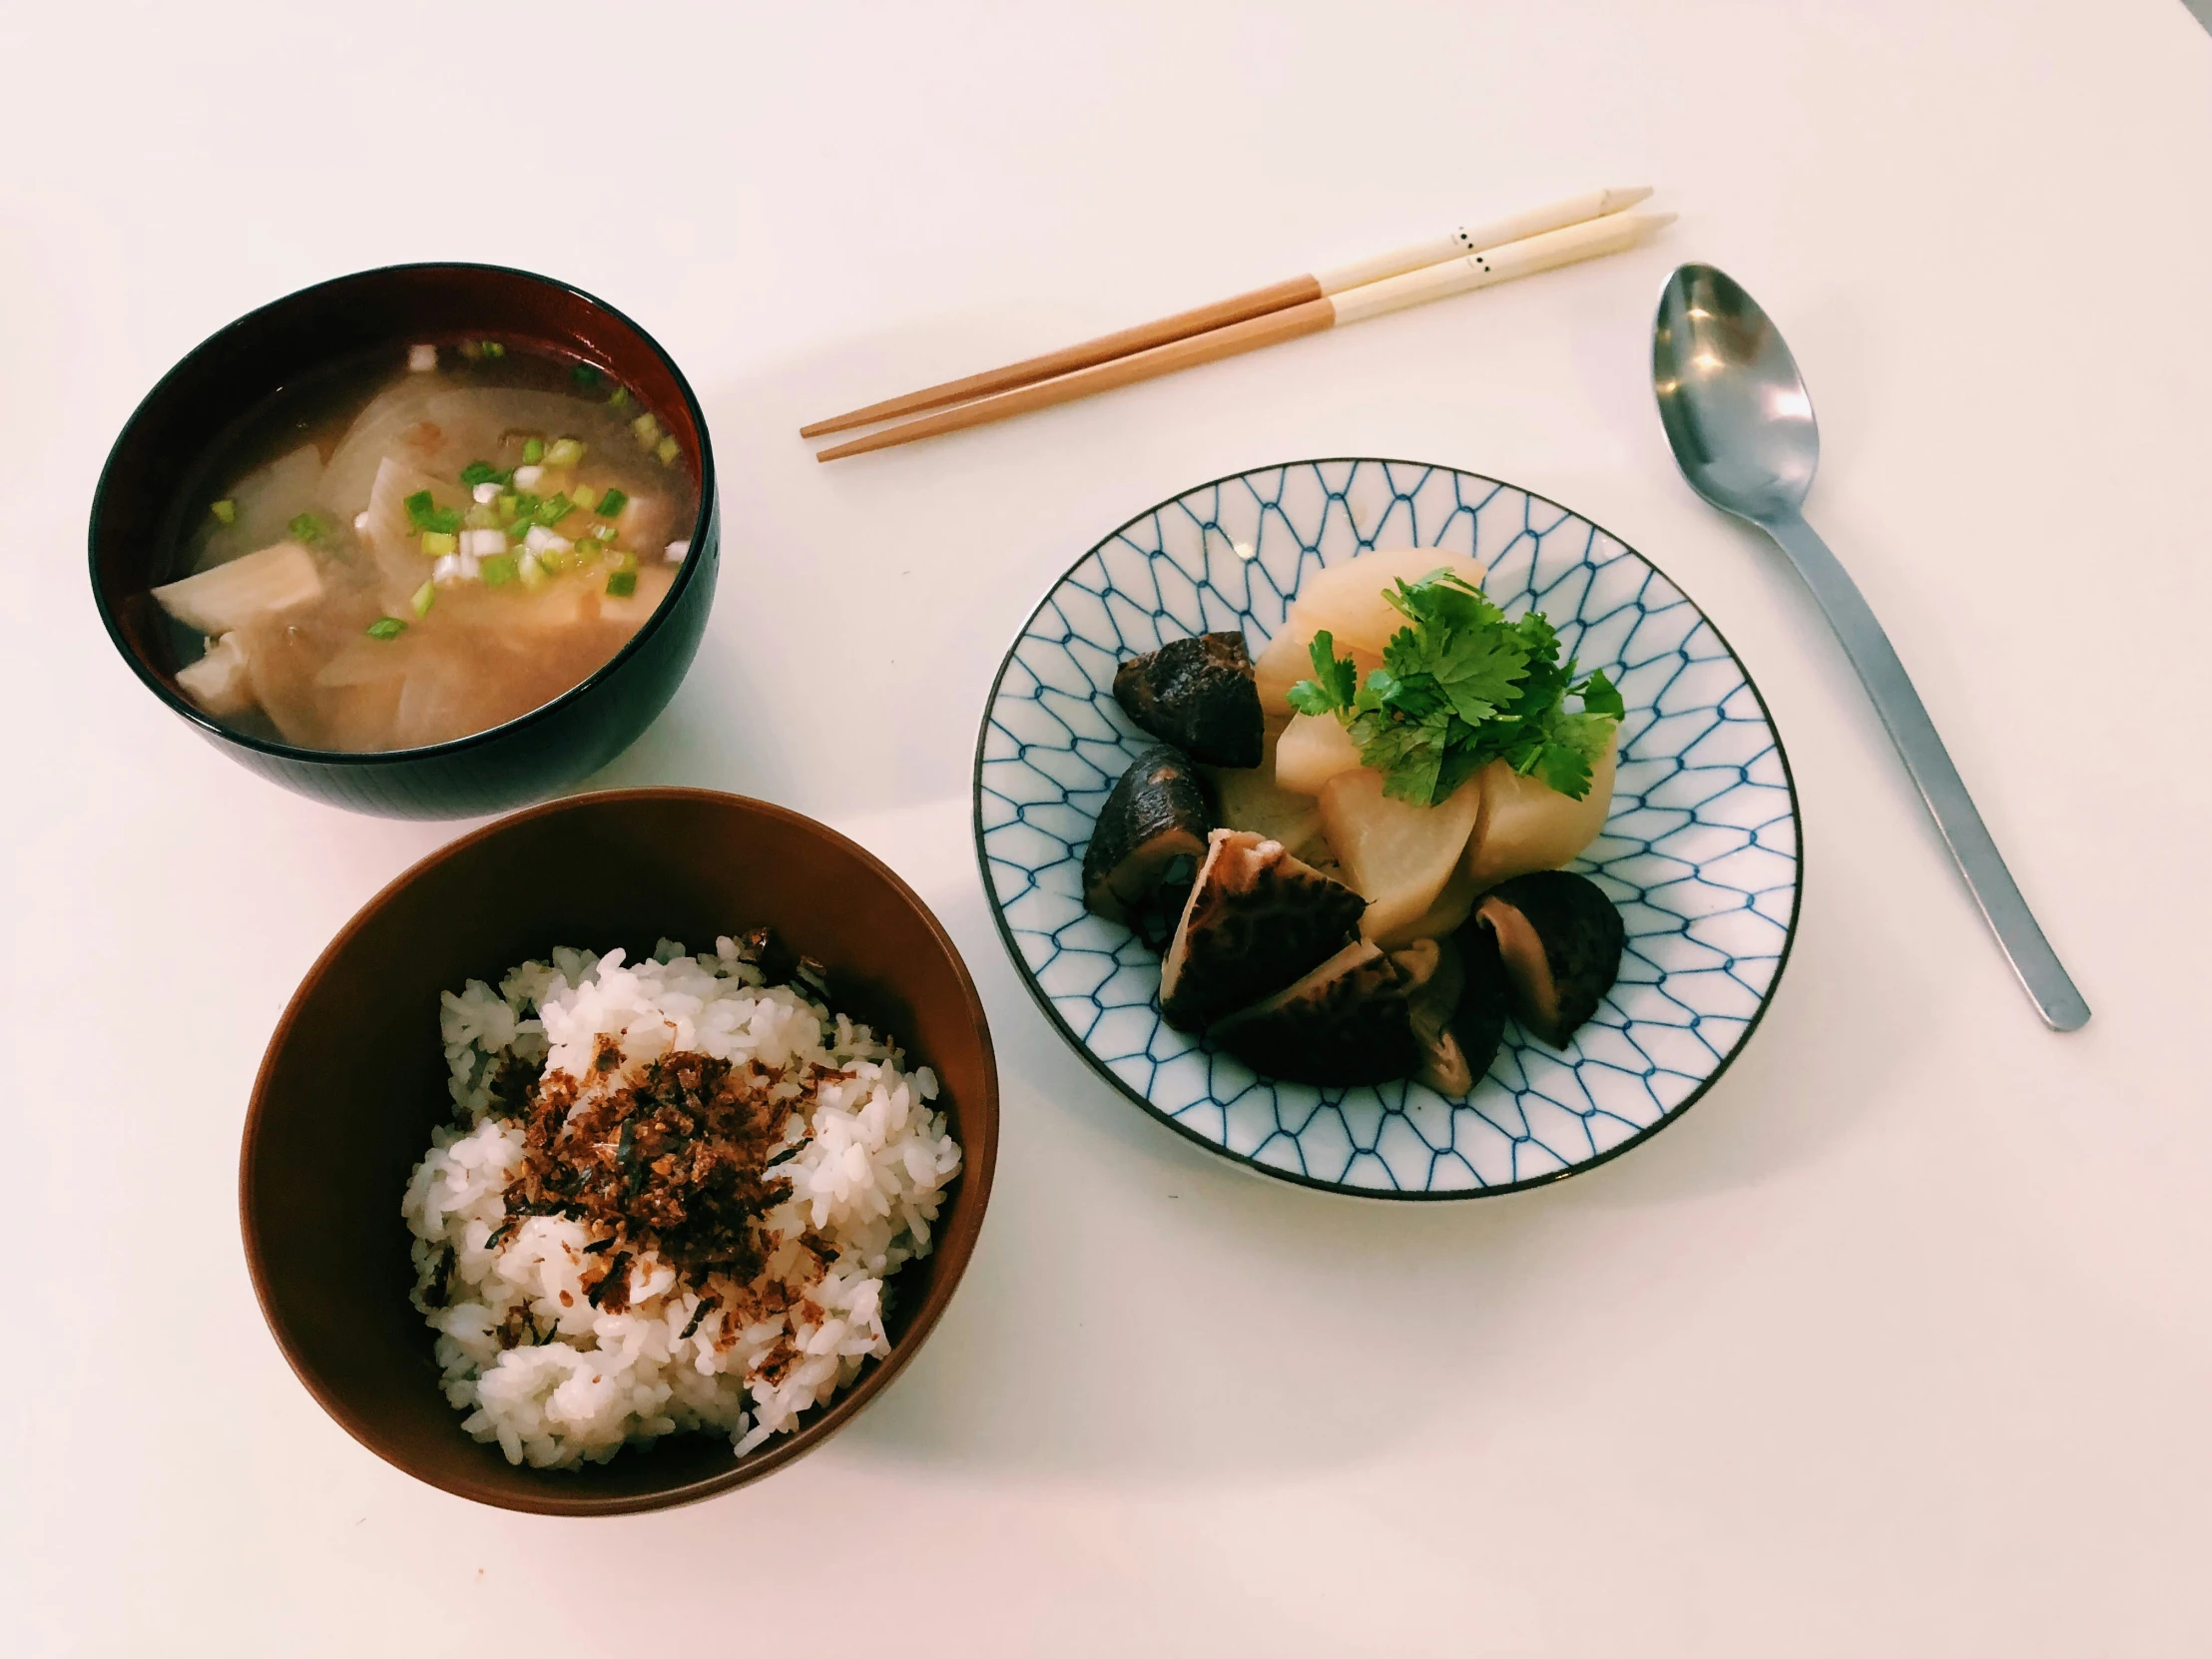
point(1618, 197)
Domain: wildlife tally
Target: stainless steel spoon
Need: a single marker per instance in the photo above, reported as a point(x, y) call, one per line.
point(1741, 423)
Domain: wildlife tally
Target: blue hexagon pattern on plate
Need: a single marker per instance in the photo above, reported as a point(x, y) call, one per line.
point(1700, 849)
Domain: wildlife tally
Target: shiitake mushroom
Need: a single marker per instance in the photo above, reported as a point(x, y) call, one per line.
point(1198, 694)
point(1156, 813)
point(1257, 918)
point(1559, 944)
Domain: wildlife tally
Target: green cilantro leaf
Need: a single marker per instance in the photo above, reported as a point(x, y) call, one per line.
point(1460, 686)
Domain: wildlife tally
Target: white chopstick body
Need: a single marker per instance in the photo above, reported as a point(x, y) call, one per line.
point(1501, 264)
point(1576, 209)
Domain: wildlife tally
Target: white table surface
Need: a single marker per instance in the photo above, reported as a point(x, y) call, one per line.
point(1898, 1343)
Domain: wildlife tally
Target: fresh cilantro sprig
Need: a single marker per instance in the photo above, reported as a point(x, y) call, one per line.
point(1460, 686)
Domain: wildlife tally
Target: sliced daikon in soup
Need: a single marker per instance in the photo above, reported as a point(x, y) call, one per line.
point(423, 420)
point(264, 505)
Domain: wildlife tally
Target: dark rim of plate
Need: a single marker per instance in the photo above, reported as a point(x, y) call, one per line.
point(1294, 1177)
point(192, 712)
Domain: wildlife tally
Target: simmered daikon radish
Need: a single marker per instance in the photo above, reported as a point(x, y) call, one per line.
point(1526, 825)
point(1288, 658)
point(1445, 915)
point(1312, 749)
point(1396, 856)
point(1250, 798)
point(1351, 600)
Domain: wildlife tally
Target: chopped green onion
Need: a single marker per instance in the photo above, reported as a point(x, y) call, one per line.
point(612, 503)
point(622, 584)
point(425, 515)
point(385, 628)
point(619, 396)
point(492, 349)
point(586, 496)
point(554, 559)
point(585, 375)
point(497, 570)
point(508, 503)
point(647, 429)
point(469, 350)
point(226, 511)
point(667, 451)
point(531, 572)
point(438, 543)
point(564, 452)
point(483, 472)
point(554, 510)
point(424, 597)
point(623, 560)
point(306, 527)
point(533, 451)
point(527, 505)
point(482, 516)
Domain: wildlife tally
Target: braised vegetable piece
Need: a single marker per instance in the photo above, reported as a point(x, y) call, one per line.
point(1560, 939)
point(1155, 815)
point(1349, 1021)
point(1398, 856)
point(1313, 750)
point(1257, 918)
point(1462, 684)
point(1526, 825)
point(1250, 799)
point(1196, 694)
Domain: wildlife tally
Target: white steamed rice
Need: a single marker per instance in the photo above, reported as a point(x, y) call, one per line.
point(865, 1187)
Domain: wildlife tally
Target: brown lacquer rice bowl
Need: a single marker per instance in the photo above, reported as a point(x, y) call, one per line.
point(354, 1080)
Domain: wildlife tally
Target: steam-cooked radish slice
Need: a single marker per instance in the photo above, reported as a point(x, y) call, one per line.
point(1527, 825)
point(1312, 749)
point(1396, 856)
point(244, 590)
point(1349, 599)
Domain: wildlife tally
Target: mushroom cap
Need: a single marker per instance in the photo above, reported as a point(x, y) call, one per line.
point(1198, 694)
point(1347, 1022)
point(1155, 813)
point(1257, 918)
point(1559, 940)
point(1485, 999)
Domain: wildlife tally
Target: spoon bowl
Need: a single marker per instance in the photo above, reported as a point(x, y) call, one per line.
point(1730, 395)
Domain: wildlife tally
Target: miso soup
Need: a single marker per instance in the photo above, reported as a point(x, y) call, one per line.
point(426, 544)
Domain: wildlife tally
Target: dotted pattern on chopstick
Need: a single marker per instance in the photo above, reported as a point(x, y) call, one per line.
point(1700, 850)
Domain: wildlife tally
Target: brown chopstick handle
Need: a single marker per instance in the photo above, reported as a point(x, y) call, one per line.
point(1310, 317)
point(1221, 313)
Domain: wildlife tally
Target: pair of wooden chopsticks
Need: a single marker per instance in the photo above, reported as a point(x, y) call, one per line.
point(1579, 228)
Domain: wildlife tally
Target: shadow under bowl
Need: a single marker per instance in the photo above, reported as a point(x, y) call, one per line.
point(354, 1080)
point(146, 489)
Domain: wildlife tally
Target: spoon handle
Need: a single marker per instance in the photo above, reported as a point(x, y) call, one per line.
point(1900, 707)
